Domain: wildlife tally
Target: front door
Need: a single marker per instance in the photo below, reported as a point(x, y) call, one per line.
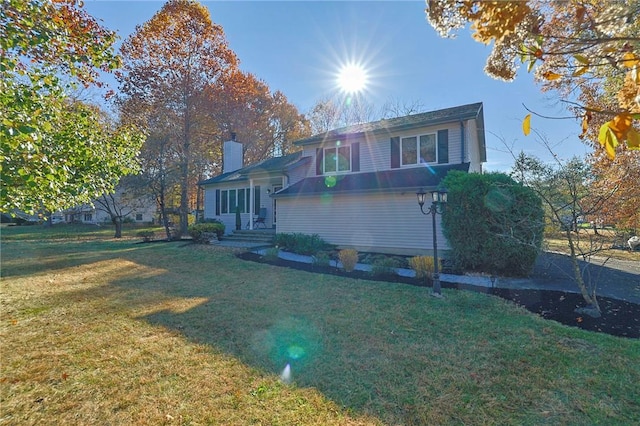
point(276, 188)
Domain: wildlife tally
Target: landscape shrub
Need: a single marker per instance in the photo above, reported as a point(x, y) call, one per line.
point(271, 253)
point(348, 258)
point(493, 224)
point(238, 219)
point(423, 266)
point(384, 265)
point(146, 235)
point(322, 258)
point(304, 244)
point(196, 230)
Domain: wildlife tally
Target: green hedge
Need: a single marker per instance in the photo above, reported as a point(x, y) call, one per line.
point(197, 229)
point(302, 243)
point(493, 224)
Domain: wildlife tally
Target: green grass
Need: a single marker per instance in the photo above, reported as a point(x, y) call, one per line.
point(100, 331)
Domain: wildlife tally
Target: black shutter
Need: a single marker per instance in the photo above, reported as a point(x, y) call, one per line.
point(319, 159)
point(395, 153)
point(355, 157)
point(443, 146)
point(217, 202)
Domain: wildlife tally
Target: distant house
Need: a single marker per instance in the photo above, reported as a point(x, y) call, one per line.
point(140, 209)
point(354, 186)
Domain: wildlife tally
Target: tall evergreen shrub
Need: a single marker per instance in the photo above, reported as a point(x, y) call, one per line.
point(493, 224)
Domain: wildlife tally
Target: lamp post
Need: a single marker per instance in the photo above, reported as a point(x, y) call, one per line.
point(438, 202)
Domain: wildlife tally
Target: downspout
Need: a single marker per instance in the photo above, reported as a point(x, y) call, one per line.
point(462, 151)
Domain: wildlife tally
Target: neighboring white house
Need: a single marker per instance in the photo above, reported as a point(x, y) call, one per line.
point(135, 208)
point(356, 186)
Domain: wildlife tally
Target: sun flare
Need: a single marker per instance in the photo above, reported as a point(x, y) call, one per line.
point(352, 78)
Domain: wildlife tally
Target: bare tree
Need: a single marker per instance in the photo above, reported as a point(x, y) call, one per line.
point(566, 191)
point(395, 108)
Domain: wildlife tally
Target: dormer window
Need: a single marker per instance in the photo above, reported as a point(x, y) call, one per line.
point(419, 149)
point(337, 159)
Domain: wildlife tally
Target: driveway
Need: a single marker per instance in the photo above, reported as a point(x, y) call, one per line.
point(619, 279)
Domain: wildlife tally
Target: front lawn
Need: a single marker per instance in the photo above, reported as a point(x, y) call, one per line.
point(100, 331)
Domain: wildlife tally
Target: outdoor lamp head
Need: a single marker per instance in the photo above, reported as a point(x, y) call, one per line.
point(421, 194)
point(443, 195)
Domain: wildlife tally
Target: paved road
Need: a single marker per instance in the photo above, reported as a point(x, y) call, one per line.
point(619, 279)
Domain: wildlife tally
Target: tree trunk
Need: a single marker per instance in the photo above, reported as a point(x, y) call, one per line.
point(117, 221)
point(588, 296)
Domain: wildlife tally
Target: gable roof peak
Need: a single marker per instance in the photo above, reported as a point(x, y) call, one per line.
point(446, 115)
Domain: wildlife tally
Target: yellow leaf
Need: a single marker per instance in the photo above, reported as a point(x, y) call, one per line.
point(582, 59)
point(630, 60)
point(610, 145)
point(580, 71)
point(585, 124)
point(608, 140)
point(602, 135)
point(633, 139)
point(550, 75)
point(620, 125)
point(526, 125)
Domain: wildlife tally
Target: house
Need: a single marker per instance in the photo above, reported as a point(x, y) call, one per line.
point(133, 207)
point(355, 186)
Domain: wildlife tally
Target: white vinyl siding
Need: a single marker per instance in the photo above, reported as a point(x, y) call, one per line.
point(370, 222)
point(375, 152)
point(473, 146)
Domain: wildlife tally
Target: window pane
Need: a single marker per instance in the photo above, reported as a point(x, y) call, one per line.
point(428, 149)
point(241, 200)
point(344, 158)
point(248, 201)
point(409, 151)
point(330, 160)
point(232, 201)
point(223, 198)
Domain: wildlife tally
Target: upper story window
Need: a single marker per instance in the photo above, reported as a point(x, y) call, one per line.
point(428, 148)
point(419, 149)
point(337, 160)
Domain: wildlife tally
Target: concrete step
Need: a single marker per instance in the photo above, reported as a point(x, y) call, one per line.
point(263, 236)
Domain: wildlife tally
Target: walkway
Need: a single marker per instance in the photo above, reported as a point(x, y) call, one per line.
point(616, 279)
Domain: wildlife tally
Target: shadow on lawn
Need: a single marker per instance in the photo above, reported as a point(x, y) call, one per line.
point(382, 357)
point(619, 317)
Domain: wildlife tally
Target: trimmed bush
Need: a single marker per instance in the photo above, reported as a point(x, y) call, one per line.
point(304, 244)
point(271, 253)
point(493, 224)
point(423, 266)
point(384, 265)
point(196, 230)
point(348, 258)
point(322, 258)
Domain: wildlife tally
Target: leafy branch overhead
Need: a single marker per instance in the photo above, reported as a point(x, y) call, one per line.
point(56, 152)
point(589, 52)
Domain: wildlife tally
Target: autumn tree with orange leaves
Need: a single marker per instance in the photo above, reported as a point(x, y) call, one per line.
point(168, 63)
point(573, 47)
point(264, 122)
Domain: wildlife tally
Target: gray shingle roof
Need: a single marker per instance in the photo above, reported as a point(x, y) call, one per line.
point(269, 166)
point(412, 178)
point(464, 112)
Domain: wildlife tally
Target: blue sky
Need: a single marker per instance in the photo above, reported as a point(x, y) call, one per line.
point(298, 47)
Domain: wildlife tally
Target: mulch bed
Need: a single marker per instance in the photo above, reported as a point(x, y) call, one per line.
point(619, 318)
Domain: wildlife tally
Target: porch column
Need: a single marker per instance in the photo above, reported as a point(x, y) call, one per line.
point(251, 201)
